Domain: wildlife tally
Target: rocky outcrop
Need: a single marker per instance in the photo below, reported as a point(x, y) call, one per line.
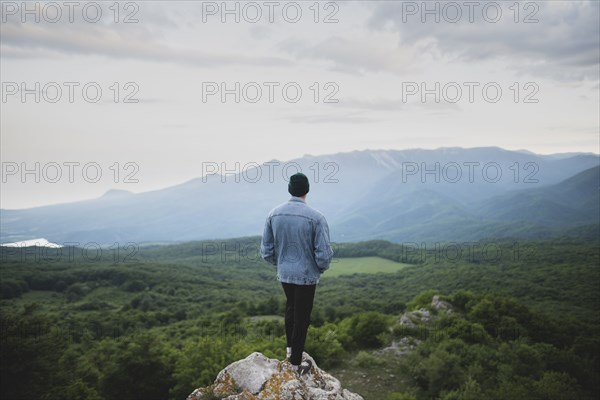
point(260, 378)
point(423, 316)
point(412, 319)
point(438, 304)
point(415, 326)
point(400, 347)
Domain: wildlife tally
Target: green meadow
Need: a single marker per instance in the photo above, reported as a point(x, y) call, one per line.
point(363, 265)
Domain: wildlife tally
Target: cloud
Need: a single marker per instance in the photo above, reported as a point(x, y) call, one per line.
point(379, 104)
point(563, 44)
point(362, 111)
point(330, 118)
point(396, 105)
point(355, 55)
point(31, 40)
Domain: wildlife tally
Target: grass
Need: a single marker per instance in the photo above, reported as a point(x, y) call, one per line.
point(363, 265)
point(270, 318)
point(372, 382)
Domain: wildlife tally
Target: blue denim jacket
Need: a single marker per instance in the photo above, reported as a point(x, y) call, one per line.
point(296, 240)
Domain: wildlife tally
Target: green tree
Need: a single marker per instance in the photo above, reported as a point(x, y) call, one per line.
point(324, 346)
point(365, 329)
point(139, 371)
point(29, 352)
point(557, 386)
point(198, 363)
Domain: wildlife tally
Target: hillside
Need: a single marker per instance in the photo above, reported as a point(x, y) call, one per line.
point(393, 213)
point(364, 194)
point(166, 320)
point(574, 201)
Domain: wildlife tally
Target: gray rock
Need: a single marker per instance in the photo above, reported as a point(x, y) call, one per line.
point(401, 347)
point(438, 304)
point(406, 321)
point(411, 319)
point(260, 378)
point(423, 314)
point(250, 373)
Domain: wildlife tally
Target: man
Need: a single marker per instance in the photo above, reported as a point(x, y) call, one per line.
point(296, 240)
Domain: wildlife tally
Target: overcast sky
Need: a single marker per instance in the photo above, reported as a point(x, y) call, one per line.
point(368, 64)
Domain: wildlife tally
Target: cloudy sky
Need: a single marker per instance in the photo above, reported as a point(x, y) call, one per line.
point(152, 90)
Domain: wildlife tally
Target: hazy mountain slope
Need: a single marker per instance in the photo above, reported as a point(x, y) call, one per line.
point(407, 213)
point(575, 201)
point(364, 194)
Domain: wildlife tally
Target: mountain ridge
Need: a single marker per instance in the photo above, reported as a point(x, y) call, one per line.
point(393, 192)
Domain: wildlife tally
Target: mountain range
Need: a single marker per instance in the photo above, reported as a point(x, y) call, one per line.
point(416, 195)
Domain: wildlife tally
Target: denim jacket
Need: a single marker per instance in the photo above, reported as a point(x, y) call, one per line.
point(296, 240)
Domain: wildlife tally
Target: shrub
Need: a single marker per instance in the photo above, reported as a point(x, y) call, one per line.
point(401, 396)
point(365, 330)
point(365, 359)
point(134, 286)
point(324, 345)
point(10, 288)
point(422, 300)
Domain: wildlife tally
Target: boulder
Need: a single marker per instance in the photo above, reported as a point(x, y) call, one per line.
point(438, 304)
point(260, 378)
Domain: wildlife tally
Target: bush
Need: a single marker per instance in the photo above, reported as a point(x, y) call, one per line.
point(134, 286)
point(557, 386)
point(324, 345)
point(461, 298)
point(76, 390)
point(401, 396)
point(60, 286)
point(11, 288)
point(365, 330)
point(139, 369)
point(422, 300)
point(95, 305)
point(76, 292)
point(365, 359)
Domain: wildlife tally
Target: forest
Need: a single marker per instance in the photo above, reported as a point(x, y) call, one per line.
point(157, 321)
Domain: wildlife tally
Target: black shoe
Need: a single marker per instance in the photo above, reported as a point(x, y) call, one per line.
point(304, 367)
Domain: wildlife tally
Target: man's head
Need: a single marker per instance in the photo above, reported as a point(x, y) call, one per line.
point(298, 185)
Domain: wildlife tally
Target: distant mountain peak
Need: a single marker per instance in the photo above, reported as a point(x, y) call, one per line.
point(364, 195)
point(525, 151)
point(385, 159)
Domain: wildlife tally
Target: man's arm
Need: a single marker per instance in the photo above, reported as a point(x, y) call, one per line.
point(323, 250)
point(267, 245)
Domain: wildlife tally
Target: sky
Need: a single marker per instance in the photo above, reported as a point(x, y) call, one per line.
point(140, 95)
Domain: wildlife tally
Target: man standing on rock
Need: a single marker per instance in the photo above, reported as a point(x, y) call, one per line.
point(296, 240)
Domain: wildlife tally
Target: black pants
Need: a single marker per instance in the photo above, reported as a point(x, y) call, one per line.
point(297, 317)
